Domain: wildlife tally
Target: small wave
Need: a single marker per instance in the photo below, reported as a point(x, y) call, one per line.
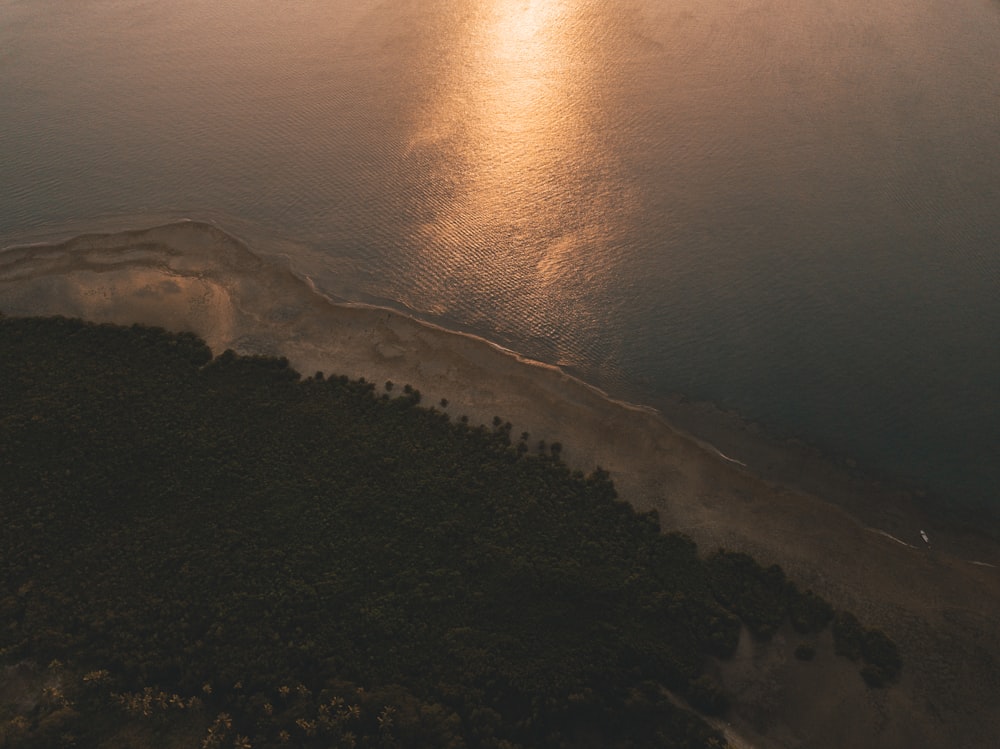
point(890, 536)
point(911, 546)
point(722, 455)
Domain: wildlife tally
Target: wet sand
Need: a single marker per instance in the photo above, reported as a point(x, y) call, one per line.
point(942, 609)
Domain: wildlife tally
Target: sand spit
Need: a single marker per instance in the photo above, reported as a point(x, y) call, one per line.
point(943, 611)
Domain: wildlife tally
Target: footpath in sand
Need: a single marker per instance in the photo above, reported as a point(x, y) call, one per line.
point(942, 609)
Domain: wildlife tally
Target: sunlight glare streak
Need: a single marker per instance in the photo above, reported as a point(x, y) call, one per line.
point(513, 138)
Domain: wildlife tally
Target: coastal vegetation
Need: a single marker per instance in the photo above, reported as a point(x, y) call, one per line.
point(212, 552)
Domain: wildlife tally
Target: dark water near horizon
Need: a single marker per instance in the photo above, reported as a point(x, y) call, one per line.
point(787, 209)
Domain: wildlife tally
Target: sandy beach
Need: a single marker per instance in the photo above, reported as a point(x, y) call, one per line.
point(940, 603)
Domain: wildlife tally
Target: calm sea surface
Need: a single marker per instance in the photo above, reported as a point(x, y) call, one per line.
point(787, 208)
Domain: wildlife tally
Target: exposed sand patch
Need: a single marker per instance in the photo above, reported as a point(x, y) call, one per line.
point(943, 611)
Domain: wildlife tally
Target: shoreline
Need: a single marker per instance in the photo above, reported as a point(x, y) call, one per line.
point(941, 609)
point(876, 498)
point(881, 503)
point(784, 461)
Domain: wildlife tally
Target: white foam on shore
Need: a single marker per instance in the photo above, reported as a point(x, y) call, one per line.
point(722, 455)
point(912, 546)
point(890, 537)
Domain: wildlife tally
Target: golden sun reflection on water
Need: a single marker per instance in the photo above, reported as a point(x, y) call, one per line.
point(521, 65)
point(518, 134)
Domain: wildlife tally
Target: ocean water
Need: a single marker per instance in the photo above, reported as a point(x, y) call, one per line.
point(790, 210)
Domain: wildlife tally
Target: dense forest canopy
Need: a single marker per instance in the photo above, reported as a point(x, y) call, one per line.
point(216, 552)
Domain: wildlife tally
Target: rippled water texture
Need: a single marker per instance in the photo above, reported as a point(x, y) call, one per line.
point(791, 209)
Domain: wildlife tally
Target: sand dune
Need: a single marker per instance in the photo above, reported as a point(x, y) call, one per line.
point(942, 610)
